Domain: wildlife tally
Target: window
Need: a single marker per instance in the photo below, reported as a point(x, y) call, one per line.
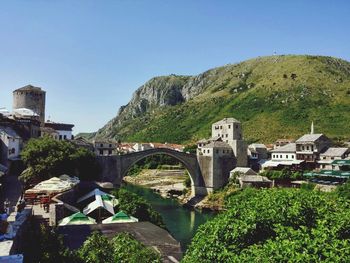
point(65, 137)
point(229, 126)
point(292, 156)
point(307, 148)
point(286, 156)
point(101, 152)
point(312, 148)
point(273, 156)
point(101, 145)
point(281, 156)
point(60, 137)
point(226, 135)
point(109, 152)
point(220, 127)
point(110, 145)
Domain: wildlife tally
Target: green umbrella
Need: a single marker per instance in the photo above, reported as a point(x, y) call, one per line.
point(77, 219)
point(120, 217)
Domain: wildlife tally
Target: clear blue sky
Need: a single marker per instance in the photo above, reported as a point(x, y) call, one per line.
point(90, 56)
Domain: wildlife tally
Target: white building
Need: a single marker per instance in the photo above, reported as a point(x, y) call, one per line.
point(141, 147)
point(64, 130)
point(11, 144)
point(333, 153)
point(284, 156)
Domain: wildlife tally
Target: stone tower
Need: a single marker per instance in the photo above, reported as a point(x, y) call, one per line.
point(32, 98)
point(230, 131)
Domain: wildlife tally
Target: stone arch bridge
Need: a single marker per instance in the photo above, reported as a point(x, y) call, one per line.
point(115, 167)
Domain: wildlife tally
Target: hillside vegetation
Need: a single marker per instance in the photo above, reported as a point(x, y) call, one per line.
point(274, 97)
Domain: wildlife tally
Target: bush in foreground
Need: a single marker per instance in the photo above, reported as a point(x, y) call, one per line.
point(273, 225)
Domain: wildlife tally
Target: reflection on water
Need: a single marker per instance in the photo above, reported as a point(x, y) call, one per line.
point(181, 222)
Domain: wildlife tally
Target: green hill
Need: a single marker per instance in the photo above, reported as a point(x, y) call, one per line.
point(274, 97)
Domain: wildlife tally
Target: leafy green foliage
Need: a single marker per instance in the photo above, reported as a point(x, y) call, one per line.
point(46, 157)
point(127, 249)
point(192, 148)
point(96, 249)
point(122, 248)
point(275, 225)
point(282, 174)
point(48, 246)
point(138, 207)
point(344, 190)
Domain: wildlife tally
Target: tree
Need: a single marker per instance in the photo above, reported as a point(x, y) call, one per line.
point(97, 249)
point(46, 157)
point(138, 207)
point(127, 249)
point(275, 225)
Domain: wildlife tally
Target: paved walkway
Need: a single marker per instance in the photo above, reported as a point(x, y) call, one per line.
point(12, 190)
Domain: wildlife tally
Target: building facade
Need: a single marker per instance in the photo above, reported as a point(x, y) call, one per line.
point(221, 153)
point(64, 130)
point(104, 147)
point(11, 144)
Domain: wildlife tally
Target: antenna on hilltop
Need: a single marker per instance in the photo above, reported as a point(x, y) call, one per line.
point(276, 57)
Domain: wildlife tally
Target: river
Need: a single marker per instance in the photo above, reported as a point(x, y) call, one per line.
point(180, 221)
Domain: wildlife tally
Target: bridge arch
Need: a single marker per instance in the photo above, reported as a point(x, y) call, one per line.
point(189, 161)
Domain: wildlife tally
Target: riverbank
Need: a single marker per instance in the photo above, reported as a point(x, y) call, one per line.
point(167, 183)
point(171, 184)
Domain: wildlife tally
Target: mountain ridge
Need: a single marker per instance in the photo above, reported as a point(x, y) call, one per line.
point(274, 97)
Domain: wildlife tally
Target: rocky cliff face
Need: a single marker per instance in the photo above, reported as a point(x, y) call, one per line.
point(157, 92)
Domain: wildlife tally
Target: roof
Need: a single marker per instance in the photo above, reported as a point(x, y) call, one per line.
point(217, 144)
point(25, 112)
point(254, 178)
point(335, 152)
point(9, 131)
point(243, 170)
point(29, 88)
point(226, 121)
point(59, 126)
point(48, 130)
point(145, 232)
point(257, 145)
point(330, 173)
point(288, 148)
point(309, 137)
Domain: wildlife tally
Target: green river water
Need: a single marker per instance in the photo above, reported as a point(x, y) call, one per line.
point(180, 221)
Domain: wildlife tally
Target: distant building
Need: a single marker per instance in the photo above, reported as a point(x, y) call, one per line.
point(141, 147)
point(310, 146)
point(11, 144)
point(282, 142)
point(333, 153)
point(105, 147)
point(50, 132)
point(242, 171)
point(64, 130)
point(32, 98)
point(283, 157)
point(257, 153)
point(81, 142)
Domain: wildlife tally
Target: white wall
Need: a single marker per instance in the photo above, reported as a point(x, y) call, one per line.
point(278, 156)
point(68, 135)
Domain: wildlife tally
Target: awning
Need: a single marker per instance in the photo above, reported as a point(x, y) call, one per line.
point(99, 203)
point(277, 163)
point(329, 173)
point(341, 162)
